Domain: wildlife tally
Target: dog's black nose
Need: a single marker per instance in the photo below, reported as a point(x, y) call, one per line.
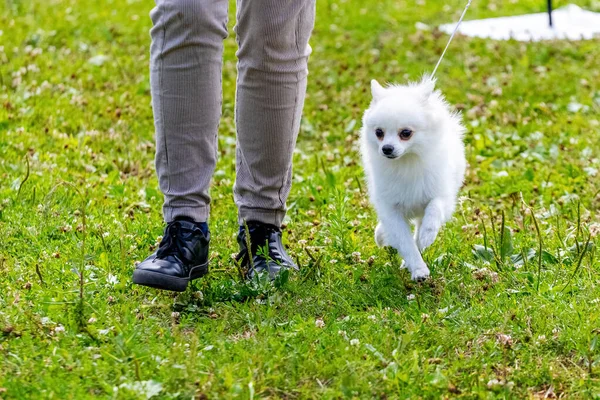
point(387, 149)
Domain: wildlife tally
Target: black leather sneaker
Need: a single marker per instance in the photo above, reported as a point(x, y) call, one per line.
point(272, 258)
point(182, 256)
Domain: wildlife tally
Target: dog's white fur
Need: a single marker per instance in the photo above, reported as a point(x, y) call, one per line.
point(421, 182)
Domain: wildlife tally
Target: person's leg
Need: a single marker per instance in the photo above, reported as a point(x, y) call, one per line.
point(185, 75)
point(272, 71)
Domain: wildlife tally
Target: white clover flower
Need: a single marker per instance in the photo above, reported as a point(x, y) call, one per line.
point(541, 339)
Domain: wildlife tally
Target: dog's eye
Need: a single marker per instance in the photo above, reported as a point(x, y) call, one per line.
point(405, 134)
point(379, 133)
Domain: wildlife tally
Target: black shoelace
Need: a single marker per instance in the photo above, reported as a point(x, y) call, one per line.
point(259, 238)
point(262, 230)
point(172, 244)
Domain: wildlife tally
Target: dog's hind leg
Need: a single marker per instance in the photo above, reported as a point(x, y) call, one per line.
point(380, 236)
point(431, 224)
point(416, 230)
point(415, 237)
point(398, 234)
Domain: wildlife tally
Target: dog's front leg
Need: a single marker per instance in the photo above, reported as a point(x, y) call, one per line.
point(398, 234)
point(431, 223)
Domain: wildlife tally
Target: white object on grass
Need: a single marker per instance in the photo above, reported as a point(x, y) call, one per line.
point(570, 22)
point(98, 60)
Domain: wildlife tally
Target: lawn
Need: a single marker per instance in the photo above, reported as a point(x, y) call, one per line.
point(513, 306)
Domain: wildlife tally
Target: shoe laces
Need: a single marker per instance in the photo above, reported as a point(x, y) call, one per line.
point(260, 230)
point(172, 242)
point(260, 235)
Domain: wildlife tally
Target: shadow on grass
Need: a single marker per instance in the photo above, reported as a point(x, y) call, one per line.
point(358, 287)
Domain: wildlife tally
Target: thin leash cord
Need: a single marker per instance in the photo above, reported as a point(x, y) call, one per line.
point(451, 37)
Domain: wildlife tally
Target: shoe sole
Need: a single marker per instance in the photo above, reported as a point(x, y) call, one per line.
point(166, 282)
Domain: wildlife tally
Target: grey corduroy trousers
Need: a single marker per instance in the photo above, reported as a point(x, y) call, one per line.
point(185, 76)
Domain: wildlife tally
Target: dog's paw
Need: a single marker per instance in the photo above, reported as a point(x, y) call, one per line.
point(403, 264)
point(380, 236)
point(419, 274)
point(427, 235)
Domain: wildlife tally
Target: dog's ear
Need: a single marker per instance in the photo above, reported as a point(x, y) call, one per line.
point(377, 91)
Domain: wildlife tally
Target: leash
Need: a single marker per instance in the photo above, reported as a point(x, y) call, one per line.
point(451, 37)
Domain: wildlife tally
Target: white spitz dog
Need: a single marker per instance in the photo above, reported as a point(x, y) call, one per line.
point(414, 159)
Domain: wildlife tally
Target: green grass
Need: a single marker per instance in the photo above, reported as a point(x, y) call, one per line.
point(79, 204)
